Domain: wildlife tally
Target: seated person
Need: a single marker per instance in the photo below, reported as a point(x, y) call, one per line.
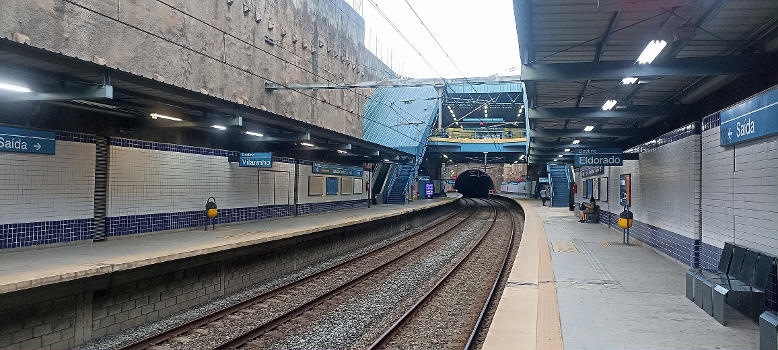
point(589, 208)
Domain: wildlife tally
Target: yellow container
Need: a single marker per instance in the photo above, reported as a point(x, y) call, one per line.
point(212, 213)
point(625, 223)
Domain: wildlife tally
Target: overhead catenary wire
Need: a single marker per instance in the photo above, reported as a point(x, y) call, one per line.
point(185, 47)
point(291, 63)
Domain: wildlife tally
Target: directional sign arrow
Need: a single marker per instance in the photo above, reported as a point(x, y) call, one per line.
point(37, 146)
point(729, 133)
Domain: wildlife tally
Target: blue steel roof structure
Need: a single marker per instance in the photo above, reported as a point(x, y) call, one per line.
point(400, 117)
point(483, 88)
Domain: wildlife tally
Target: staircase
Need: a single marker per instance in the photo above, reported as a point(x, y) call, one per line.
point(398, 190)
point(560, 185)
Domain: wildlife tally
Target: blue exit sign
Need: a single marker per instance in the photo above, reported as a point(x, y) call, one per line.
point(26, 140)
point(750, 119)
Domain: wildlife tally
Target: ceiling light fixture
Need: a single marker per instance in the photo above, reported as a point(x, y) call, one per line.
point(386, 160)
point(254, 134)
point(162, 116)
point(575, 142)
point(445, 156)
point(342, 151)
point(629, 80)
point(15, 88)
point(220, 127)
point(589, 128)
point(561, 155)
point(555, 159)
point(609, 105)
point(651, 51)
point(567, 150)
point(514, 162)
point(307, 144)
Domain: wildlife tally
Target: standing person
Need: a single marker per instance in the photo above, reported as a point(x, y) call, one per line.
point(544, 195)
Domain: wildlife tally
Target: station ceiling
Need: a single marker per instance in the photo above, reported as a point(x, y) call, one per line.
point(575, 54)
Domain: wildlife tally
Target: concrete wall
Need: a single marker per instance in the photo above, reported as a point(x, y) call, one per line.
point(496, 171)
point(216, 48)
point(64, 315)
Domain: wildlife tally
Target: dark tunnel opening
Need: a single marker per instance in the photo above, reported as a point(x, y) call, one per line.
point(474, 183)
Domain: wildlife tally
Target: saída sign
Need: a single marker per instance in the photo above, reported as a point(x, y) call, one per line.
point(598, 157)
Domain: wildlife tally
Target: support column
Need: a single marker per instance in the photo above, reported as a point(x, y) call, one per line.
point(440, 108)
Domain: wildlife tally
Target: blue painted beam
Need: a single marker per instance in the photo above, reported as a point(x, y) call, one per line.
point(450, 147)
point(598, 113)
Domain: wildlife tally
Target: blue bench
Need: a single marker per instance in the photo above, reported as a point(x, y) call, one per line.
point(739, 281)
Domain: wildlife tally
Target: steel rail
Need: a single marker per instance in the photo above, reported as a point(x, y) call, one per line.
point(392, 330)
point(164, 336)
point(256, 332)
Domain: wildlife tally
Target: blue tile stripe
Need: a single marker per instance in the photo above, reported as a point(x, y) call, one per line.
point(75, 137)
point(45, 232)
point(670, 137)
point(711, 121)
point(679, 247)
point(158, 146)
point(134, 224)
point(169, 147)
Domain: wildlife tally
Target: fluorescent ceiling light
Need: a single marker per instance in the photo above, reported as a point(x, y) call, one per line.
point(567, 150)
point(445, 156)
point(162, 116)
point(514, 162)
point(629, 80)
point(575, 142)
point(609, 105)
point(307, 144)
point(254, 134)
point(220, 127)
point(561, 155)
point(342, 151)
point(386, 160)
point(555, 159)
point(15, 88)
point(589, 128)
point(651, 51)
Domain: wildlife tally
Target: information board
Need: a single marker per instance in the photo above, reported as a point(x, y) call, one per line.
point(332, 186)
point(331, 169)
point(588, 171)
point(625, 189)
point(256, 160)
point(598, 157)
point(26, 140)
point(750, 119)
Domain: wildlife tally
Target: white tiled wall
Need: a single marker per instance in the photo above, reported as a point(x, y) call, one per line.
point(740, 192)
point(37, 187)
point(665, 183)
point(305, 171)
point(148, 181)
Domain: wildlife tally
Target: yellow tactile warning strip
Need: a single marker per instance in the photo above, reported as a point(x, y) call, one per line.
point(564, 247)
point(527, 315)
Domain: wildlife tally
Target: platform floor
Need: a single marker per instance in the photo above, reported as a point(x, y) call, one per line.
point(570, 287)
point(28, 268)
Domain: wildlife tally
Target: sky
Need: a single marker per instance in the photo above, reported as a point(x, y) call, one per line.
point(478, 35)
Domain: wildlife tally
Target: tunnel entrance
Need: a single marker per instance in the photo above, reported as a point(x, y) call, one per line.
point(474, 183)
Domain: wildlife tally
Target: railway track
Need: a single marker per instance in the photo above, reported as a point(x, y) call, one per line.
point(439, 319)
point(239, 324)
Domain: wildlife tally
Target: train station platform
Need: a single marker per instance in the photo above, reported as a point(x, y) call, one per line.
point(36, 267)
point(575, 286)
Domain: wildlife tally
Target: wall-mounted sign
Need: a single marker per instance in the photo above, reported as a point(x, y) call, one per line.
point(598, 157)
point(26, 140)
point(256, 160)
point(331, 169)
point(625, 189)
point(751, 119)
point(588, 171)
